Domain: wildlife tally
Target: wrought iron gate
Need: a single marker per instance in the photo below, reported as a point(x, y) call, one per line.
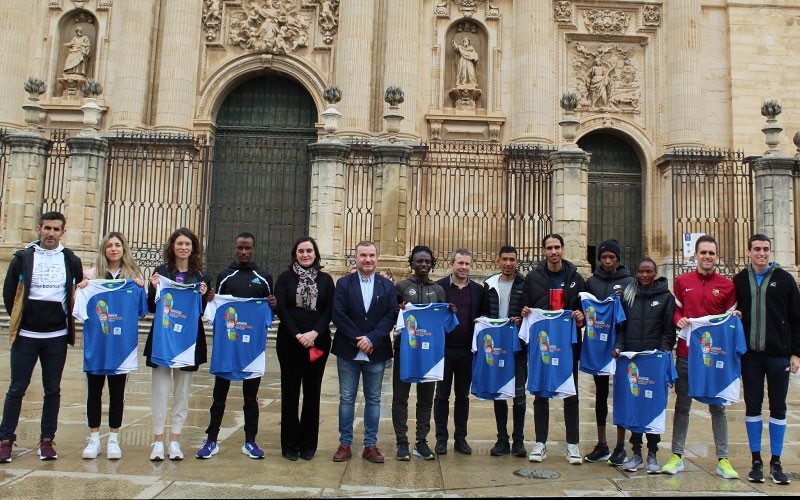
point(712, 193)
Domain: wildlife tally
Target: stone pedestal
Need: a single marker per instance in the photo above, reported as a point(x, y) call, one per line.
point(774, 202)
point(570, 191)
point(24, 186)
point(71, 85)
point(84, 202)
point(465, 98)
point(389, 221)
point(326, 224)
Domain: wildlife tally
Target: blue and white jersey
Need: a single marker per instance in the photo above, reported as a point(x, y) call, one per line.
point(716, 344)
point(240, 336)
point(641, 390)
point(110, 312)
point(178, 310)
point(602, 318)
point(422, 329)
point(550, 335)
point(494, 343)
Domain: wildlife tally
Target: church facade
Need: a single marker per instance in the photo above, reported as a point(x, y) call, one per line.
point(273, 116)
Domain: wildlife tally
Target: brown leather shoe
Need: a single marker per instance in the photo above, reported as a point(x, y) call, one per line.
point(342, 454)
point(373, 454)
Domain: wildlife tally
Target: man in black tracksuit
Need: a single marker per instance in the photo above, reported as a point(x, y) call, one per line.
point(504, 297)
point(769, 301)
point(243, 279)
point(555, 284)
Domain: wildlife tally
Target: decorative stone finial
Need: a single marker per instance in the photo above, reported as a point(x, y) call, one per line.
point(332, 94)
point(569, 101)
point(35, 87)
point(91, 88)
point(796, 140)
point(394, 96)
point(771, 109)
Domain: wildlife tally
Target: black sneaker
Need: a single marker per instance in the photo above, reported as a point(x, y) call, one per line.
point(441, 447)
point(403, 454)
point(618, 457)
point(757, 472)
point(600, 452)
point(422, 450)
point(777, 475)
point(500, 448)
point(518, 449)
point(462, 447)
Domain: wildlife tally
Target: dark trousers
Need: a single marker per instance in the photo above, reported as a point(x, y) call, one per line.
point(457, 374)
point(401, 391)
point(541, 414)
point(116, 397)
point(652, 442)
point(756, 366)
point(300, 432)
point(250, 393)
point(25, 351)
point(601, 383)
point(518, 411)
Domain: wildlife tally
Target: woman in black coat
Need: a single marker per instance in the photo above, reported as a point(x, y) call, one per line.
point(304, 297)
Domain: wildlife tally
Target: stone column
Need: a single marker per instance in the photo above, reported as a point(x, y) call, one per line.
point(662, 239)
point(391, 210)
point(533, 70)
point(402, 59)
point(130, 51)
point(570, 211)
point(684, 75)
point(15, 40)
point(774, 202)
point(353, 73)
point(84, 203)
point(24, 187)
point(177, 80)
point(326, 218)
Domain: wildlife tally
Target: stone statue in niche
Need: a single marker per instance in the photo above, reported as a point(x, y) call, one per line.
point(607, 78)
point(80, 49)
point(468, 60)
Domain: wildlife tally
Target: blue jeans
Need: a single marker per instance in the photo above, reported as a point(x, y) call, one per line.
point(349, 373)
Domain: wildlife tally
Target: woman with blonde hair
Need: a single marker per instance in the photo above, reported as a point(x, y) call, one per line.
point(114, 261)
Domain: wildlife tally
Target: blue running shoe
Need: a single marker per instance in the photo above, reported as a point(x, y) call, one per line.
point(208, 450)
point(252, 450)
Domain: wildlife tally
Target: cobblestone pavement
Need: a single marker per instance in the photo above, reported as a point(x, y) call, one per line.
point(232, 475)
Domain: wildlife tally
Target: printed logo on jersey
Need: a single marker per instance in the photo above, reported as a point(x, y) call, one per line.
point(654, 303)
point(171, 312)
point(706, 343)
point(715, 292)
point(488, 349)
point(591, 316)
point(234, 326)
point(544, 346)
point(411, 324)
point(256, 281)
point(633, 378)
point(106, 318)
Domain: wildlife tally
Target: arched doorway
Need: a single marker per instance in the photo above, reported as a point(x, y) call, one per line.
point(615, 196)
point(260, 179)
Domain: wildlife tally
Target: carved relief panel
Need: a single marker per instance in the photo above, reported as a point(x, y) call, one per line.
point(606, 76)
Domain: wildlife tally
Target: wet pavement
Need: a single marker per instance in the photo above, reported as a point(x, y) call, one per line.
point(230, 474)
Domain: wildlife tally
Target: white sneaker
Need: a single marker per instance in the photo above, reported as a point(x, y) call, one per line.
point(92, 448)
point(157, 454)
point(574, 454)
point(113, 451)
point(538, 453)
point(175, 452)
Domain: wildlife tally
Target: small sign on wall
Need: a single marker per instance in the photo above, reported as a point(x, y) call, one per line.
point(689, 241)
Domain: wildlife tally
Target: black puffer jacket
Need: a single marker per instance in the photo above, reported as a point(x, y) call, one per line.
point(537, 287)
point(491, 299)
point(601, 284)
point(649, 320)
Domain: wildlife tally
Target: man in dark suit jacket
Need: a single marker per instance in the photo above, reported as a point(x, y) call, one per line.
point(467, 297)
point(364, 312)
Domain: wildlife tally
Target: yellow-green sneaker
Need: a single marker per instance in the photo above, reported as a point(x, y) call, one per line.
point(673, 465)
point(725, 469)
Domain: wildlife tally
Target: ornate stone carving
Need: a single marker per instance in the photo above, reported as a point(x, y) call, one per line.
point(492, 12)
point(104, 4)
point(606, 21)
point(79, 3)
point(212, 18)
point(441, 9)
point(328, 19)
point(607, 77)
point(651, 15)
point(563, 12)
point(54, 4)
point(272, 26)
point(465, 98)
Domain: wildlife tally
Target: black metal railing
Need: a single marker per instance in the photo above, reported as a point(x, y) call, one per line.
point(4, 154)
point(155, 183)
point(56, 183)
point(479, 196)
point(712, 193)
point(359, 195)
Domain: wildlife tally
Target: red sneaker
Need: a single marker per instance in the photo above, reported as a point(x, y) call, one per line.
point(46, 450)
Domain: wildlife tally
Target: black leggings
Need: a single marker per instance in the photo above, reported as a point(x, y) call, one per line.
point(116, 395)
point(601, 383)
